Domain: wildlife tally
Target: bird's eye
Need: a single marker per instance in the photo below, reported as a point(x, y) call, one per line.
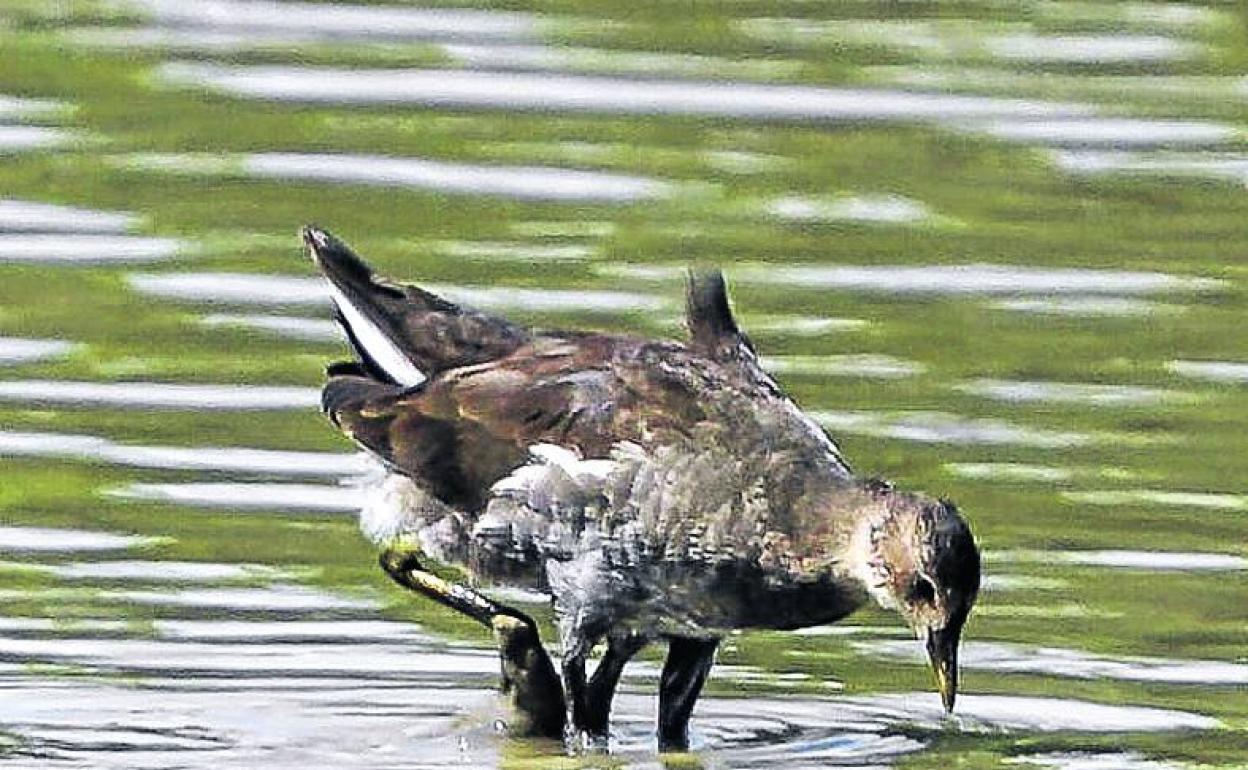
point(921, 591)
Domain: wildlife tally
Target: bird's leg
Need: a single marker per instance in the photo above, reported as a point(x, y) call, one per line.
point(576, 647)
point(684, 672)
point(620, 648)
point(528, 675)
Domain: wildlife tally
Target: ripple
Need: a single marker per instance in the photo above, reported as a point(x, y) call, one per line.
point(289, 630)
point(294, 497)
point(33, 217)
point(534, 183)
point(545, 92)
point(278, 598)
point(181, 658)
point(1211, 371)
point(26, 625)
point(800, 326)
point(941, 428)
point(1021, 583)
point(115, 739)
point(1208, 500)
point(290, 327)
point(1018, 391)
point(1091, 49)
point(970, 39)
point(79, 248)
point(981, 713)
point(15, 350)
point(1162, 561)
point(1170, 89)
point(577, 228)
point(878, 209)
point(1227, 166)
point(157, 571)
point(338, 22)
point(21, 107)
point(1127, 760)
point(355, 723)
point(865, 365)
point(1090, 307)
point(1111, 132)
point(1019, 472)
point(542, 58)
point(190, 39)
point(966, 279)
point(500, 251)
point(280, 291)
point(843, 629)
point(37, 539)
point(159, 395)
point(1047, 611)
point(24, 138)
point(233, 459)
point(1075, 664)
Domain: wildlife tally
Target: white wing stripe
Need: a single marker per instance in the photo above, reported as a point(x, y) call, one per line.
point(376, 344)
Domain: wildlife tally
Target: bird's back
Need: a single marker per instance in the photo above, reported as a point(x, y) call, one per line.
point(515, 448)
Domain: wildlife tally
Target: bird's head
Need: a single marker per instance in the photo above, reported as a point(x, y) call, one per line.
point(922, 561)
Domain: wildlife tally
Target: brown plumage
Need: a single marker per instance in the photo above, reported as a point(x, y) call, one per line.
point(654, 488)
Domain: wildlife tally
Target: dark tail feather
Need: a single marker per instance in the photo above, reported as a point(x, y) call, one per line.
point(403, 334)
point(709, 316)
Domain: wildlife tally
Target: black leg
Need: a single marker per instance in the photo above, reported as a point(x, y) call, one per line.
point(684, 672)
point(530, 678)
point(620, 648)
point(528, 675)
point(575, 649)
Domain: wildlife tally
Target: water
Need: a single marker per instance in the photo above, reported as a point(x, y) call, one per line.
point(30, 216)
point(996, 249)
point(522, 182)
point(41, 247)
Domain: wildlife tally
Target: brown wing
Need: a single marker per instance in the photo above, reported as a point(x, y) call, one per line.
point(463, 430)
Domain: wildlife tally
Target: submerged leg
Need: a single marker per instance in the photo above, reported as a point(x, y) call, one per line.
point(528, 675)
point(601, 690)
point(576, 647)
point(684, 672)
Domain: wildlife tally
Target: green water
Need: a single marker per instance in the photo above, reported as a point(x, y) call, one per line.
point(986, 201)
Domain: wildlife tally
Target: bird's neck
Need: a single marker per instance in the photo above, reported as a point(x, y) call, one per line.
point(863, 560)
point(837, 533)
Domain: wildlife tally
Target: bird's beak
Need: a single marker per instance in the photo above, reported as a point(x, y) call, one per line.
point(942, 653)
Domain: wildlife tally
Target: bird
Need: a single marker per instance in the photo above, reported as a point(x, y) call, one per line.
point(657, 490)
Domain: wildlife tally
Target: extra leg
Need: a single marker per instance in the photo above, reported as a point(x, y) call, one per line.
point(684, 672)
point(601, 691)
point(528, 675)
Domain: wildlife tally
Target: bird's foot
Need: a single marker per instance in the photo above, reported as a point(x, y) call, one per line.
point(580, 743)
point(403, 566)
point(528, 676)
point(398, 561)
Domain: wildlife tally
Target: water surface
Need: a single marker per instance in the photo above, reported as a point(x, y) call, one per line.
point(996, 249)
